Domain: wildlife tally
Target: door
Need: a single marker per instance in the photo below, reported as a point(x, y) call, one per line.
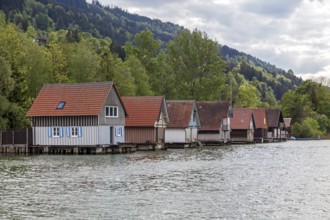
point(111, 135)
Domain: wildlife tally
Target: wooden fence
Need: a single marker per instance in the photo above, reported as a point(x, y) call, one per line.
point(15, 141)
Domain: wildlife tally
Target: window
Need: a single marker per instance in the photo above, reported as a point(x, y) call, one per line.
point(56, 132)
point(119, 131)
point(111, 111)
point(74, 132)
point(60, 105)
point(194, 116)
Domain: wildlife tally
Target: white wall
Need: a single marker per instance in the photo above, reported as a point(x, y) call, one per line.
point(176, 135)
point(88, 137)
point(191, 134)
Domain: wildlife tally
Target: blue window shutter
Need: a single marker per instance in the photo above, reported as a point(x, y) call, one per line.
point(61, 132)
point(68, 131)
point(79, 131)
point(49, 132)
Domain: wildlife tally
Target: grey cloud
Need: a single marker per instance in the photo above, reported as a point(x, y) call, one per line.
point(291, 34)
point(133, 3)
point(274, 8)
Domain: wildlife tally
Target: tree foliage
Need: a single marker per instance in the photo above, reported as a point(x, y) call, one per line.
point(308, 128)
point(249, 96)
point(309, 101)
point(197, 68)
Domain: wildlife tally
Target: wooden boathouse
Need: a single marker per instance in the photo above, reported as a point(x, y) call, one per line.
point(261, 120)
point(215, 122)
point(182, 129)
point(243, 126)
point(146, 121)
point(276, 126)
point(77, 118)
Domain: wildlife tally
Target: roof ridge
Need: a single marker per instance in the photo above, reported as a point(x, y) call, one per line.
point(180, 101)
point(80, 84)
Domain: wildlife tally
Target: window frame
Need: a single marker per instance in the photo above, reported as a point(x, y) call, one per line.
point(60, 105)
point(74, 132)
point(119, 132)
point(111, 110)
point(56, 132)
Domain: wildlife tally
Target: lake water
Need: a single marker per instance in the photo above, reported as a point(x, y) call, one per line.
point(288, 180)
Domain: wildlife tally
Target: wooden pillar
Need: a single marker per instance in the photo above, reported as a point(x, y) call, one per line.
point(1, 140)
point(46, 150)
point(75, 150)
point(13, 138)
point(27, 140)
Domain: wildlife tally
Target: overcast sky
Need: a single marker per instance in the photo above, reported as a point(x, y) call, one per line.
point(291, 34)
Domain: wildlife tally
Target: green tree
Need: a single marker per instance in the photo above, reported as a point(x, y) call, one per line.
point(296, 106)
point(145, 47)
point(308, 128)
point(163, 79)
point(13, 51)
point(249, 96)
point(6, 87)
point(42, 21)
point(82, 62)
point(113, 69)
point(141, 79)
point(37, 68)
point(198, 70)
point(58, 64)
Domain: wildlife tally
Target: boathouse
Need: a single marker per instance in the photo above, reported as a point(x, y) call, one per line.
point(243, 126)
point(261, 131)
point(276, 126)
point(287, 123)
point(183, 123)
point(215, 122)
point(146, 121)
point(78, 114)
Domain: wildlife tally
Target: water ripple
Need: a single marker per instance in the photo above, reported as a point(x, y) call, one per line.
point(268, 181)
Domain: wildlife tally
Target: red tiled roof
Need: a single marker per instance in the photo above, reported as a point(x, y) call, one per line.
point(211, 114)
point(142, 110)
point(260, 118)
point(179, 113)
point(241, 119)
point(80, 99)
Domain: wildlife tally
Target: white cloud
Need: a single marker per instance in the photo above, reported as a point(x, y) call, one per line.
point(291, 34)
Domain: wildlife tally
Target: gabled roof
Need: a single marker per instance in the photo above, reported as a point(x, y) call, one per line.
point(260, 118)
point(287, 122)
point(241, 119)
point(80, 99)
point(143, 111)
point(179, 113)
point(274, 117)
point(211, 114)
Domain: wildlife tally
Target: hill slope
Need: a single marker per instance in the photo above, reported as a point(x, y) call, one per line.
point(100, 21)
point(251, 67)
point(104, 21)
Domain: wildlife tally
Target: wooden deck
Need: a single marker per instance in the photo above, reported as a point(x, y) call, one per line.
point(180, 145)
point(81, 150)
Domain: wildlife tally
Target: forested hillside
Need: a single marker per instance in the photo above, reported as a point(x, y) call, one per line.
point(53, 15)
point(80, 42)
point(251, 67)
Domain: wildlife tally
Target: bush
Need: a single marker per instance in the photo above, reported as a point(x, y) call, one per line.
point(308, 128)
